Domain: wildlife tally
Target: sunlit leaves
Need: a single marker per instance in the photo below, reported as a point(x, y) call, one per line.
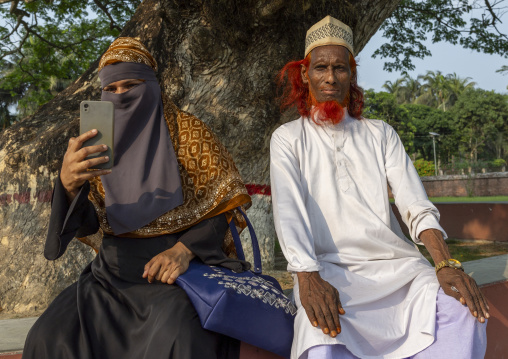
point(470, 24)
point(61, 40)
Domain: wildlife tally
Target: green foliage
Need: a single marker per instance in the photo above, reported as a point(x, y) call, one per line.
point(413, 20)
point(428, 119)
point(425, 168)
point(382, 106)
point(498, 162)
point(479, 116)
point(54, 42)
point(472, 123)
point(432, 89)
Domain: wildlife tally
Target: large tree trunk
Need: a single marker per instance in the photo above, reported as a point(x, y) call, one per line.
point(217, 60)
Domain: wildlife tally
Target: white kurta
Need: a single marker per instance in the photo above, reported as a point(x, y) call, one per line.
point(332, 215)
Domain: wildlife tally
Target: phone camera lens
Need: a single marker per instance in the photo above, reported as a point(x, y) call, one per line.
point(85, 105)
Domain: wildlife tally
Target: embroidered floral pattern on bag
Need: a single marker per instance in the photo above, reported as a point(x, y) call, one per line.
point(254, 287)
point(329, 30)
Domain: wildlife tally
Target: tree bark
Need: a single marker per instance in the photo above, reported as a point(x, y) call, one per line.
point(217, 60)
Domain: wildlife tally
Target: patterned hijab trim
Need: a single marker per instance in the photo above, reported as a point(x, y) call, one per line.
point(127, 49)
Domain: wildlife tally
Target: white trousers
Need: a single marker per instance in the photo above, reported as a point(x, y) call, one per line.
point(458, 336)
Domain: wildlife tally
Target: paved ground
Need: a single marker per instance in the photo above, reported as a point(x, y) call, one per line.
point(13, 331)
point(12, 336)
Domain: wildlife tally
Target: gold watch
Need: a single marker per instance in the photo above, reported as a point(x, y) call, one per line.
point(452, 263)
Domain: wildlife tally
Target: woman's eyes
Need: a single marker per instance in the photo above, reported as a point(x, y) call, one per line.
point(127, 86)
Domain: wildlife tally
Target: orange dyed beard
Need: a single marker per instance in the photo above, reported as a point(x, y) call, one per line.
point(328, 111)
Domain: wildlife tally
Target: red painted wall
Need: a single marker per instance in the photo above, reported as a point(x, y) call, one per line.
point(488, 184)
point(497, 327)
point(471, 220)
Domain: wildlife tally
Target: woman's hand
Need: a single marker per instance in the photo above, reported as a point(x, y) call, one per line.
point(462, 287)
point(168, 265)
point(75, 166)
point(321, 302)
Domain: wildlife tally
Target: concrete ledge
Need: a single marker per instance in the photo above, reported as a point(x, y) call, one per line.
point(13, 333)
point(13, 355)
point(488, 270)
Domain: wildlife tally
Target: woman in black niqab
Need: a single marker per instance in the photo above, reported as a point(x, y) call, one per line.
point(155, 211)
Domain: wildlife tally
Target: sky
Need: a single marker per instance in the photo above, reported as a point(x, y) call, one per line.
point(446, 58)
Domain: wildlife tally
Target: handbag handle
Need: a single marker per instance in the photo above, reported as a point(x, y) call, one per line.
point(238, 243)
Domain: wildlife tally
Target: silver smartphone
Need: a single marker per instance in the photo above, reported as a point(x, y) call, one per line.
point(101, 116)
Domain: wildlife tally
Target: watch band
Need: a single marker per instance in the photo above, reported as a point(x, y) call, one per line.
point(452, 263)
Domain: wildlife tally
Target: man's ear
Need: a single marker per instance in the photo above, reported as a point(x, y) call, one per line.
point(303, 73)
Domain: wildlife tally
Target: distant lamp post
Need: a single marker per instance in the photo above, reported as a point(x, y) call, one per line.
point(434, 135)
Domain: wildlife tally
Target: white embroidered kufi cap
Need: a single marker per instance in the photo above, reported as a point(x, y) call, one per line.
point(329, 31)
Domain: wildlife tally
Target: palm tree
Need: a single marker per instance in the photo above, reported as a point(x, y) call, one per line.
point(395, 88)
point(411, 89)
point(433, 90)
point(455, 86)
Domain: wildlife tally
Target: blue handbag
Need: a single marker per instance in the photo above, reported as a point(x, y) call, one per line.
point(247, 306)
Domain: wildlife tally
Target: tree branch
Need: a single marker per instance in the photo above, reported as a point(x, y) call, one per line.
point(20, 64)
point(17, 49)
point(494, 15)
point(15, 1)
point(14, 29)
point(112, 24)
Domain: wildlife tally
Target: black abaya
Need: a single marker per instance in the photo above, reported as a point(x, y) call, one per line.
point(111, 311)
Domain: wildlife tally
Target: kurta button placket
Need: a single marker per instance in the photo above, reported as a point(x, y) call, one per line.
point(343, 176)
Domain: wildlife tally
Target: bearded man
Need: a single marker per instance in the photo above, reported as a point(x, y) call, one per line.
point(329, 172)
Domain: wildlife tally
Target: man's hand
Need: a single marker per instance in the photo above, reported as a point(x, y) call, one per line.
point(321, 302)
point(455, 282)
point(75, 166)
point(462, 287)
point(168, 265)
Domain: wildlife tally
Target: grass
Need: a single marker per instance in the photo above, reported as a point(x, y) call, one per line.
point(470, 250)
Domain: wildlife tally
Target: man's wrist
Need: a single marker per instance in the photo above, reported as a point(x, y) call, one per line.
point(450, 262)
